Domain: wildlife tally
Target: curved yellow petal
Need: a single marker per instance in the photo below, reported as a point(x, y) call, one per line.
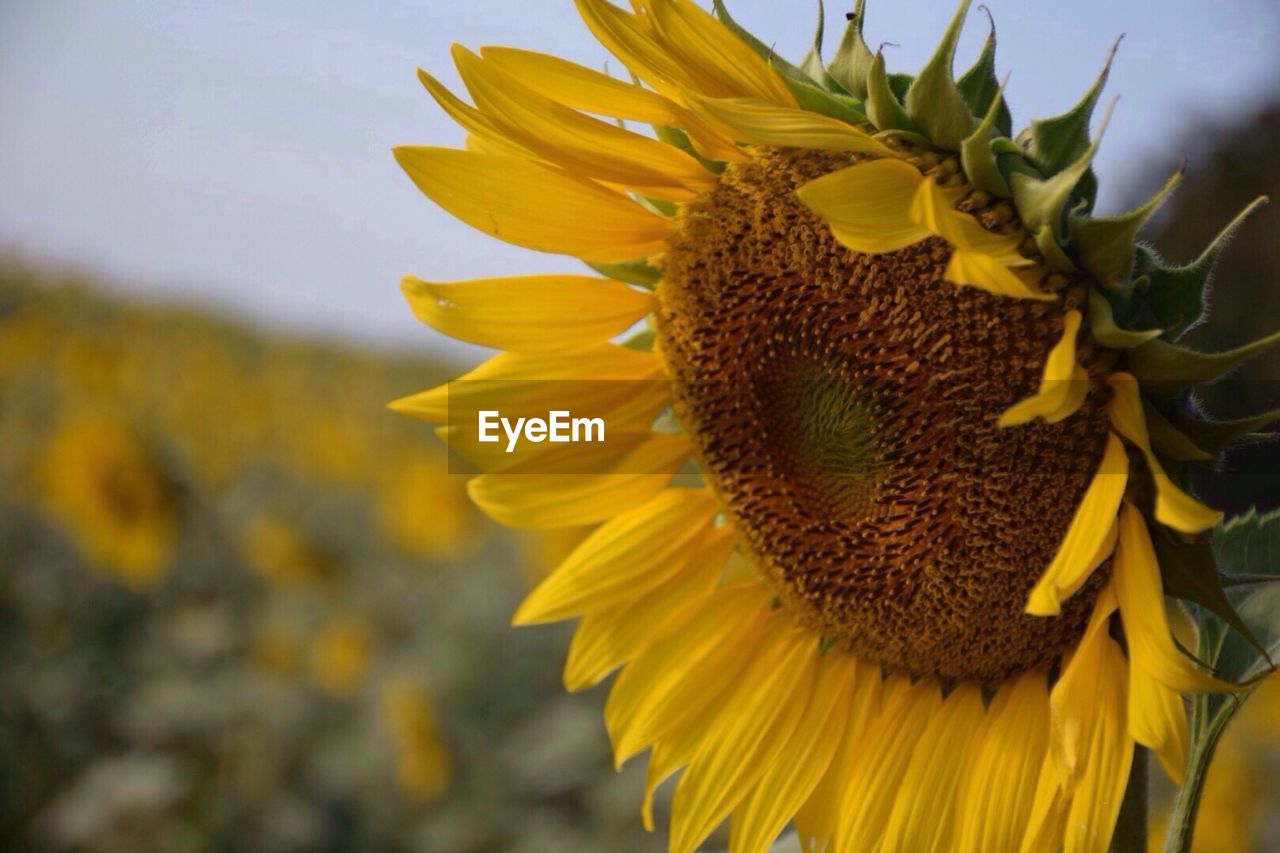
point(720, 63)
point(808, 752)
point(997, 790)
point(1047, 823)
point(990, 274)
point(608, 637)
point(877, 773)
point(868, 205)
point(532, 313)
point(1158, 721)
point(1063, 386)
point(933, 206)
point(630, 554)
point(751, 728)
point(535, 205)
point(677, 677)
point(765, 123)
point(1072, 713)
point(595, 92)
point(924, 814)
point(1174, 507)
point(568, 500)
point(483, 133)
point(600, 380)
point(627, 38)
point(584, 146)
point(1140, 593)
point(1090, 536)
point(817, 820)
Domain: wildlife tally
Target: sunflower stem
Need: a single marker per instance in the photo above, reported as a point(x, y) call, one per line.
point(1209, 721)
point(1131, 825)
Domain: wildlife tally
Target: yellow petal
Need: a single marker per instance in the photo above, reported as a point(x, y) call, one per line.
point(1063, 386)
point(764, 123)
point(817, 819)
point(1047, 824)
point(1174, 507)
point(1158, 721)
point(630, 41)
point(925, 808)
point(533, 313)
point(600, 380)
point(535, 205)
point(594, 92)
point(608, 637)
point(1095, 804)
point(488, 136)
point(1139, 590)
point(751, 727)
point(933, 206)
point(998, 789)
point(1089, 537)
point(677, 677)
point(807, 754)
point(990, 274)
point(630, 554)
point(868, 206)
point(584, 146)
point(717, 61)
point(1072, 712)
point(877, 774)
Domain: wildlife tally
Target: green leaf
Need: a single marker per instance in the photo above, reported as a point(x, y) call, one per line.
point(934, 101)
point(883, 107)
point(1054, 144)
point(1213, 436)
point(1166, 369)
point(851, 64)
point(978, 157)
point(637, 272)
point(981, 88)
point(1176, 294)
point(1250, 544)
point(1102, 323)
point(1041, 201)
point(1105, 245)
point(1190, 572)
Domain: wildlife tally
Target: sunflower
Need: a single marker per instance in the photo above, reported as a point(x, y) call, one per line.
point(913, 596)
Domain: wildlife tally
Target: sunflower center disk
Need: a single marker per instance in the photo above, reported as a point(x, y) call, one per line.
point(844, 408)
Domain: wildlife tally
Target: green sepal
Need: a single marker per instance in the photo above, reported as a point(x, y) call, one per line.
point(1170, 442)
point(677, 137)
point(981, 88)
point(1190, 572)
point(851, 64)
point(1055, 144)
point(1105, 245)
point(1176, 294)
point(1041, 201)
point(811, 63)
point(883, 107)
point(637, 272)
point(934, 102)
point(1249, 545)
point(1214, 436)
point(1165, 369)
point(1105, 330)
point(1047, 243)
point(978, 157)
point(661, 206)
point(818, 100)
point(641, 341)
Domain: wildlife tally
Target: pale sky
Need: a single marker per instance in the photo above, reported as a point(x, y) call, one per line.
point(237, 152)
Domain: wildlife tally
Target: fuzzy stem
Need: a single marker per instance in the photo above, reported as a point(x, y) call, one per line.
point(1183, 818)
point(1131, 825)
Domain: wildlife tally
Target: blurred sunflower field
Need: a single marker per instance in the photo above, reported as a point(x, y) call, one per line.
point(246, 607)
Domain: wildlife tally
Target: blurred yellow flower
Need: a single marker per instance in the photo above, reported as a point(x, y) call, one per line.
point(278, 552)
point(423, 767)
point(340, 655)
point(424, 510)
point(276, 649)
point(105, 488)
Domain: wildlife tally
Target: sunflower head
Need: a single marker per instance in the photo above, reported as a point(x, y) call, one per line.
point(935, 408)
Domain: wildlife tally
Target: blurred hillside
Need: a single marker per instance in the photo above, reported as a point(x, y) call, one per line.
point(243, 606)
